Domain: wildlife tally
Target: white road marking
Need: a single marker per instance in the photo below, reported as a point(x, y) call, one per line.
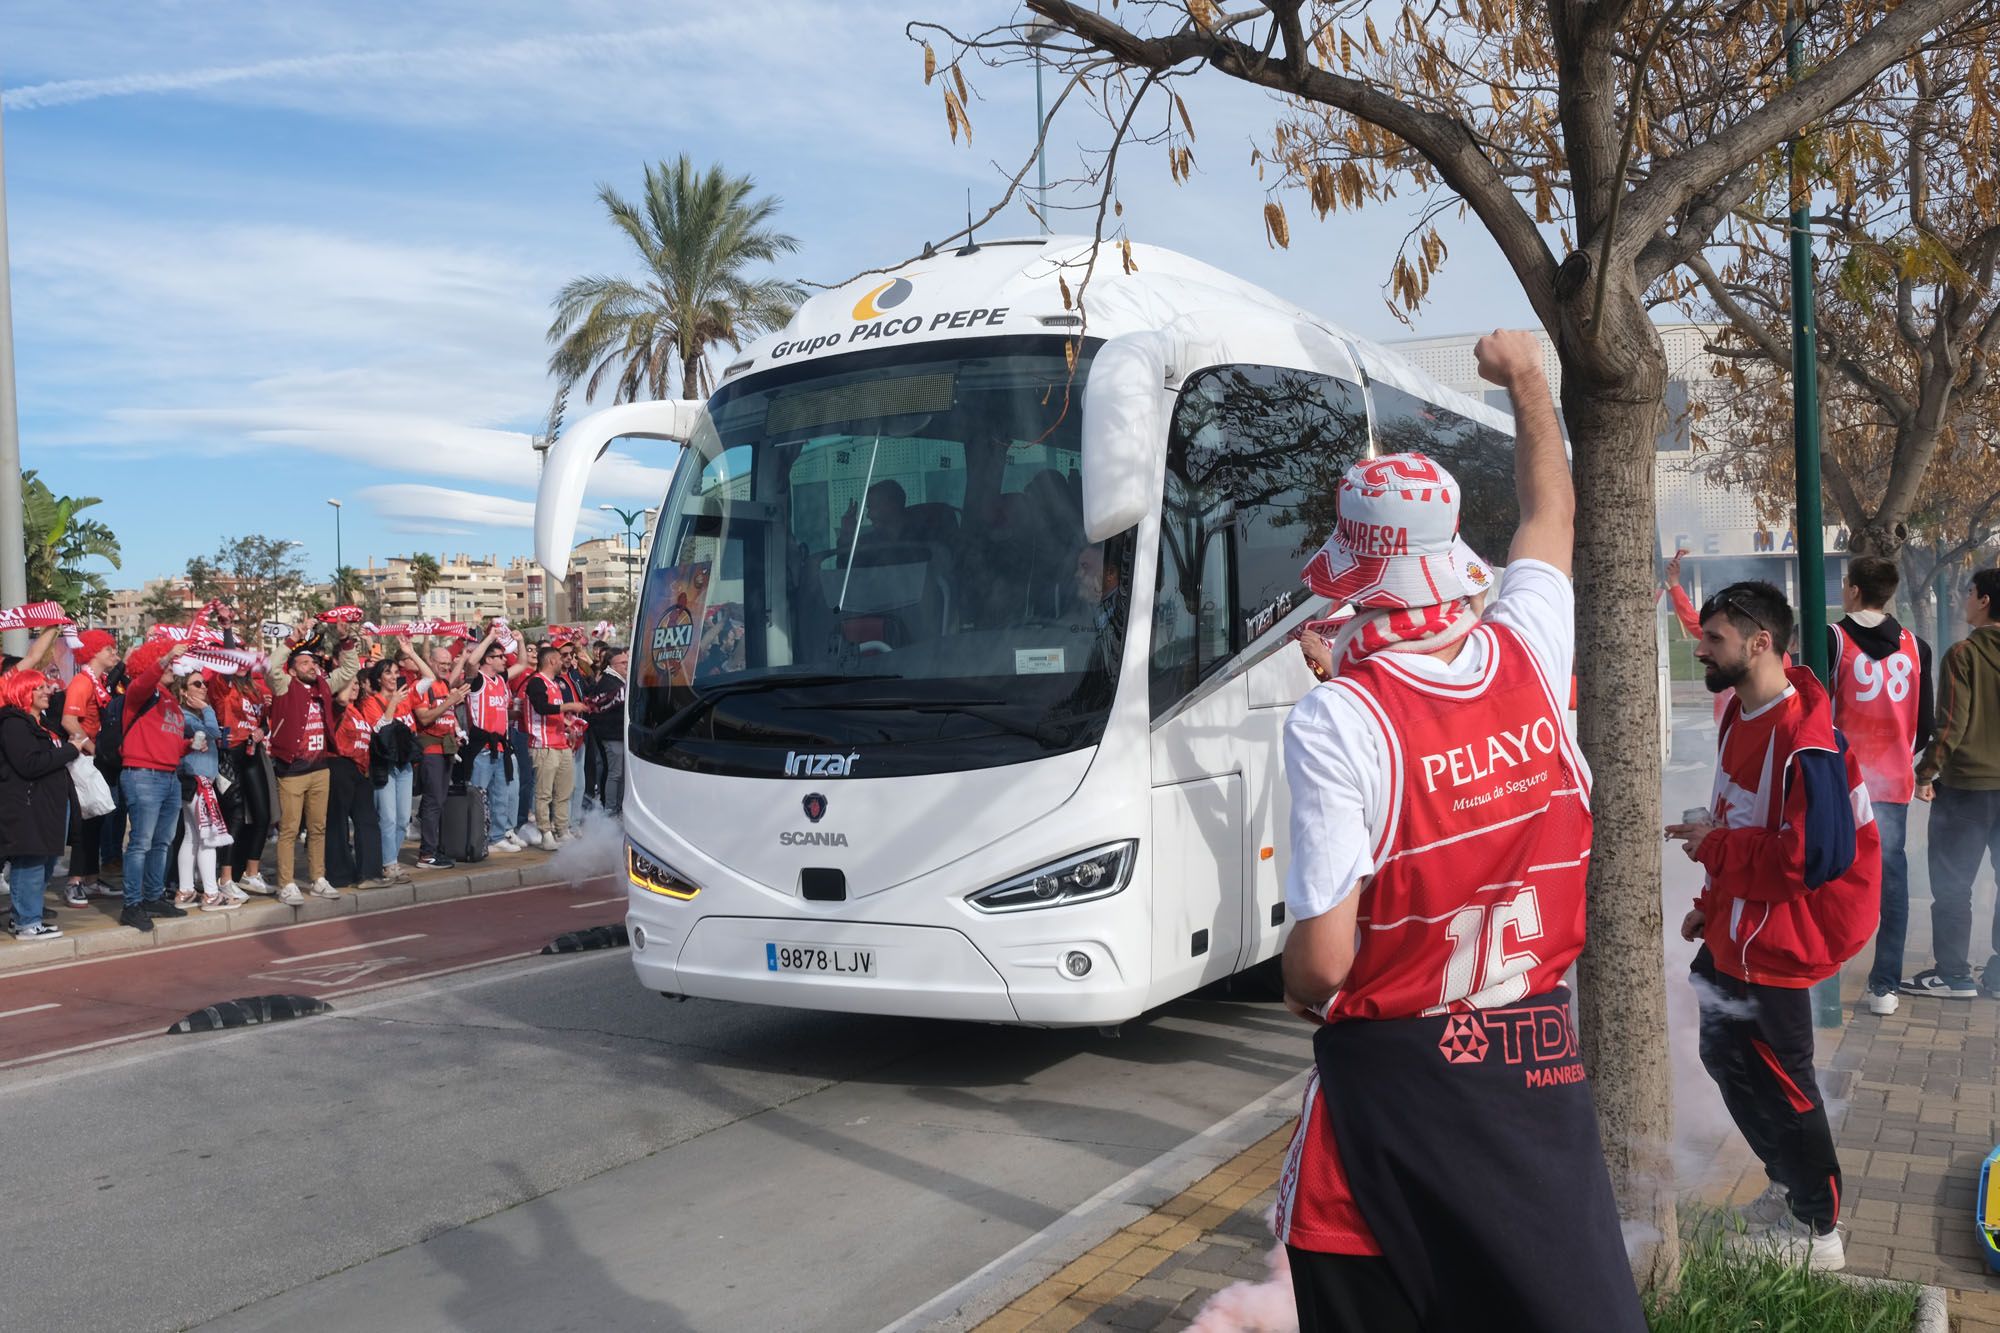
point(31, 1009)
point(269, 930)
point(328, 953)
point(440, 972)
point(601, 902)
point(343, 973)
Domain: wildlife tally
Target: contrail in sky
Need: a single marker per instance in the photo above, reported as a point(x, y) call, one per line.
point(528, 53)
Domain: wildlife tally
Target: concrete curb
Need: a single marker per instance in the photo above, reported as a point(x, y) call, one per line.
point(1932, 1306)
point(264, 914)
point(1103, 1215)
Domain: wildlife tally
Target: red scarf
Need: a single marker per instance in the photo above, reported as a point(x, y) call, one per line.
point(1421, 629)
point(98, 689)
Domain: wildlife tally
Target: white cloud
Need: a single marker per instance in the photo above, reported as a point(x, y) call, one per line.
point(442, 511)
point(526, 55)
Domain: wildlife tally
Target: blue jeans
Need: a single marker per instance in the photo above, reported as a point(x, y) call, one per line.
point(392, 811)
point(27, 878)
point(1965, 827)
point(1893, 823)
point(489, 774)
point(524, 776)
point(152, 812)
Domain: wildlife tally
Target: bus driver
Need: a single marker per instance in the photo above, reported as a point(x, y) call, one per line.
point(1446, 1171)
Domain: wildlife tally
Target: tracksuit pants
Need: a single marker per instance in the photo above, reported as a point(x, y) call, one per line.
point(1757, 1044)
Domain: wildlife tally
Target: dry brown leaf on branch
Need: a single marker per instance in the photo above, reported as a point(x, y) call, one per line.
point(1125, 254)
point(1063, 287)
point(1276, 230)
point(930, 63)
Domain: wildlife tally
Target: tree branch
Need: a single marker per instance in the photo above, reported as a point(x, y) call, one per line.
point(1679, 179)
point(1442, 141)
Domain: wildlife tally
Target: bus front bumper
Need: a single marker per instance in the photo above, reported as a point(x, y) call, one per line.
point(914, 971)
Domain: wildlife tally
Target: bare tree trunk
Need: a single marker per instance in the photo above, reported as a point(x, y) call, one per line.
point(1612, 395)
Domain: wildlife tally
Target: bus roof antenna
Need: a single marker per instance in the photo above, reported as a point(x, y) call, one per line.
point(971, 247)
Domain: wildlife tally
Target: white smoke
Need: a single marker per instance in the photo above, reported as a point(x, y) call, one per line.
point(595, 850)
point(1253, 1307)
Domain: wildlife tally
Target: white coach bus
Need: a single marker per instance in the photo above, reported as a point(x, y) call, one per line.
point(963, 656)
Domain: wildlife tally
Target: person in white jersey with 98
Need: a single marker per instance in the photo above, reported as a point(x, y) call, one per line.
point(1446, 1172)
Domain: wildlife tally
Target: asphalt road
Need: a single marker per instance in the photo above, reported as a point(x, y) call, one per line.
point(541, 1145)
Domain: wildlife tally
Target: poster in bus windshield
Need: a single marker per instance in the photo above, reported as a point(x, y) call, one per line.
point(679, 595)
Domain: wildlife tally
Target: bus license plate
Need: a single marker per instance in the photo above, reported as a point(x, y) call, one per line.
point(820, 959)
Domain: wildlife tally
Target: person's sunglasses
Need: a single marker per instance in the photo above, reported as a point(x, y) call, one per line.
point(1728, 599)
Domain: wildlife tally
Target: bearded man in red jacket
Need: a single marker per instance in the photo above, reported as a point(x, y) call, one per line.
point(1793, 890)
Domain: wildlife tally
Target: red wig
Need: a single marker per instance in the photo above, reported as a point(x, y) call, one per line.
point(17, 689)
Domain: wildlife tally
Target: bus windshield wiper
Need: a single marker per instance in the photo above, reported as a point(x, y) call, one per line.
point(702, 703)
point(1048, 735)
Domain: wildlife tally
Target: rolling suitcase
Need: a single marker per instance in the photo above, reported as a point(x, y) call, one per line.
point(463, 832)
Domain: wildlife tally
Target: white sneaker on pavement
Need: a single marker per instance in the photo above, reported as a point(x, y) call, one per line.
point(290, 896)
point(528, 835)
point(501, 845)
point(1794, 1242)
point(234, 892)
point(322, 889)
point(1884, 1003)
point(1772, 1206)
point(514, 843)
point(255, 884)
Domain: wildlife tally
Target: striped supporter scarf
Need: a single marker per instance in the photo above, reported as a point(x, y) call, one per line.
point(1420, 629)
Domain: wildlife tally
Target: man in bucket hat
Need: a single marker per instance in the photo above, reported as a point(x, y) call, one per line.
point(1446, 1171)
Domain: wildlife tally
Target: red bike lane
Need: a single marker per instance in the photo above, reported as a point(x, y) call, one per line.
point(98, 1002)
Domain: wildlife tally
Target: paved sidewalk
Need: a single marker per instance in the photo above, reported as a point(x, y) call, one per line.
point(1915, 1103)
point(92, 931)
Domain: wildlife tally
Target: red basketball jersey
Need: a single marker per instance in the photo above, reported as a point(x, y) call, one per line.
point(1875, 705)
point(1478, 893)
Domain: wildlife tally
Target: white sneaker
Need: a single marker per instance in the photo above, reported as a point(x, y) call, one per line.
point(396, 873)
point(1768, 1208)
point(502, 845)
point(528, 836)
point(553, 840)
point(235, 894)
point(290, 896)
point(1794, 1242)
point(322, 889)
point(255, 884)
point(1883, 1004)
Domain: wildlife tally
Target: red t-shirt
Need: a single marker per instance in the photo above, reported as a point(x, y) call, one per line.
point(83, 698)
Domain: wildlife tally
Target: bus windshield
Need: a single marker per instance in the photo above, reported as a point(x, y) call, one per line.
point(874, 565)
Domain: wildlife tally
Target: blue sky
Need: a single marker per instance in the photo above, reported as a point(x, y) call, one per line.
point(267, 253)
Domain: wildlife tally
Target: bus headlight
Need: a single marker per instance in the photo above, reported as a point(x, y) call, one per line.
point(1097, 873)
point(656, 876)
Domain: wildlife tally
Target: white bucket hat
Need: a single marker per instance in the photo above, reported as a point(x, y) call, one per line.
point(1396, 541)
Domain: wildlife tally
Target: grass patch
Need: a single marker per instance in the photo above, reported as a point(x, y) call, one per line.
point(1723, 1289)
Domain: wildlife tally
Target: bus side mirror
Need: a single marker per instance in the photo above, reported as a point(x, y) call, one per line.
point(566, 468)
point(1124, 432)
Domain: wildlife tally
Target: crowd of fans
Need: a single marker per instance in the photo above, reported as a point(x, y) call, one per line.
point(189, 760)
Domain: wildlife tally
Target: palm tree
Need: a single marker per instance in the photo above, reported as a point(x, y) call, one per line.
point(696, 233)
point(58, 542)
point(423, 573)
point(347, 585)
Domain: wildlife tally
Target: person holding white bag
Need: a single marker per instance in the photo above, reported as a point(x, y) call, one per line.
point(34, 798)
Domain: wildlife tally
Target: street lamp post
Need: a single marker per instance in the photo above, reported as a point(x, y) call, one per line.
point(1039, 31)
point(13, 531)
point(631, 518)
point(338, 563)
